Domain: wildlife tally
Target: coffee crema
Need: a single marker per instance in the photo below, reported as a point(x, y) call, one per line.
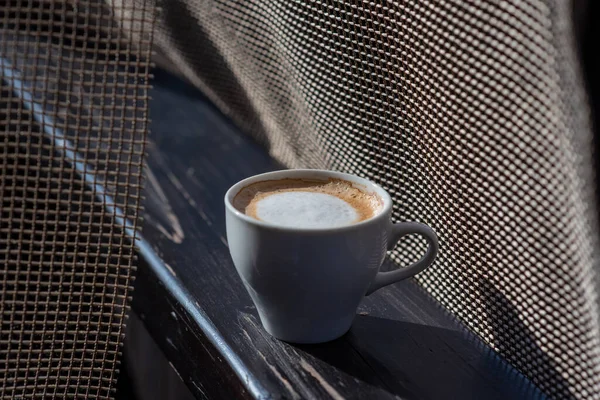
point(306, 203)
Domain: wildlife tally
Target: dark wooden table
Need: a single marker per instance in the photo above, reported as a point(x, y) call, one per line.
point(190, 298)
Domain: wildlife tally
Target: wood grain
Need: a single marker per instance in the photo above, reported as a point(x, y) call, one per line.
point(402, 344)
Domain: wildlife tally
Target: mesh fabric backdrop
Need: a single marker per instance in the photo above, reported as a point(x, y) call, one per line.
point(471, 114)
point(72, 132)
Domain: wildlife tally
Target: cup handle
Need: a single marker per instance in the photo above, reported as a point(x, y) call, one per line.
point(398, 231)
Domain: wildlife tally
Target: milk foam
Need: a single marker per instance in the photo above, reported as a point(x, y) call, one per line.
point(307, 203)
point(306, 210)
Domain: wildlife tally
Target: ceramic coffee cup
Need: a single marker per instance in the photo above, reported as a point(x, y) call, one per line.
point(307, 283)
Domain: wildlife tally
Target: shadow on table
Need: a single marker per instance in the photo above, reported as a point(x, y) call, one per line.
point(377, 360)
point(415, 361)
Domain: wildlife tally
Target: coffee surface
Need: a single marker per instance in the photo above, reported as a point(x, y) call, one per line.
point(307, 203)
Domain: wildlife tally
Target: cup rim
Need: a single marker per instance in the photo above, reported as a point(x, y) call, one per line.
point(309, 174)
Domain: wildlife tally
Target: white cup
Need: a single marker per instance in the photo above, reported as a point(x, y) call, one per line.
point(307, 283)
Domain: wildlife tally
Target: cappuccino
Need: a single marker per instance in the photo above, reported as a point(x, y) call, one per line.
point(304, 203)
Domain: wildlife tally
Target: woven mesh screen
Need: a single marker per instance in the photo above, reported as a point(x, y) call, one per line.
point(72, 132)
point(470, 113)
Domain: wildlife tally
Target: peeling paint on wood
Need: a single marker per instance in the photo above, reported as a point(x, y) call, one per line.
point(171, 270)
point(322, 381)
point(285, 382)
